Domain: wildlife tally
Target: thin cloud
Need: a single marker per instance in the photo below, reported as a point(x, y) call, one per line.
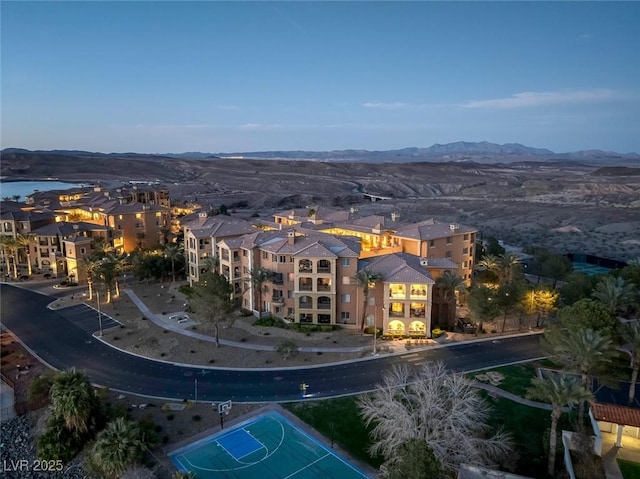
point(533, 99)
point(387, 106)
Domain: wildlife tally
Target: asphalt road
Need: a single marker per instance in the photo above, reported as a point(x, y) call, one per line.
point(62, 343)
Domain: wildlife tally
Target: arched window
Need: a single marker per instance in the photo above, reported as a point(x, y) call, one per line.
point(305, 302)
point(324, 302)
point(305, 266)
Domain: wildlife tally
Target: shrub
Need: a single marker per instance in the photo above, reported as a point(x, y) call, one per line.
point(38, 392)
point(170, 417)
point(436, 333)
point(270, 321)
point(287, 348)
point(58, 442)
point(196, 417)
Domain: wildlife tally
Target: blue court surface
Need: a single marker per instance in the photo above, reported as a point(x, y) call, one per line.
point(590, 269)
point(266, 447)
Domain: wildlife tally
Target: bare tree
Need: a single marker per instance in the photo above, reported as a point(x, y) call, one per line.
point(443, 409)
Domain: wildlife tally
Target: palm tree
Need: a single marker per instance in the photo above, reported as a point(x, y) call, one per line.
point(582, 351)
point(102, 246)
point(615, 293)
point(491, 263)
point(630, 332)
point(173, 252)
point(560, 391)
point(120, 444)
point(448, 284)
point(6, 243)
point(365, 278)
point(257, 278)
point(90, 265)
point(24, 242)
point(73, 399)
point(508, 264)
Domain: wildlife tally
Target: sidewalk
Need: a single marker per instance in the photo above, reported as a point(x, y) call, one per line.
point(164, 322)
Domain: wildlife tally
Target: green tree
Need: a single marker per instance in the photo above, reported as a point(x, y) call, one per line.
point(586, 352)
point(510, 267)
point(576, 286)
point(491, 264)
point(448, 284)
point(483, 306)
point(587, 313)
point(23, 242)
point(119, 445)
point(614, 293)
point(257, 278)
point(6, 243)
point(173, 253)
point(560, 391)
point(90, 265)
point(493, 247)
point(630, 333)
point(507, 297)
point(414, 460)
point(211, 300)
point(365, 278)
point(555, 267)
point(74, 400)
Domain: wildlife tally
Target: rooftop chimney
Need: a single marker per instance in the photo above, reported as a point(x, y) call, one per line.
point(291, 237)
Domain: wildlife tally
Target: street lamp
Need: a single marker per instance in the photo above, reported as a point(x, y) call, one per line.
point(99, 312)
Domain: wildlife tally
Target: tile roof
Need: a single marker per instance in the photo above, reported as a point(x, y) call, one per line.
point(439, 263)
point(20, 215)
point(398, 268)
point(65, 229)
point(624, 415)
point(431, 229)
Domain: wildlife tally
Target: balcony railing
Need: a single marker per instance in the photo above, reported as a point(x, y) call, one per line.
point(306, 306)
point(324, 269)
point(324, 306)
point(306, 287)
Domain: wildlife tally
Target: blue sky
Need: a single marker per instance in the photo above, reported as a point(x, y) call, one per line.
point(242, 76)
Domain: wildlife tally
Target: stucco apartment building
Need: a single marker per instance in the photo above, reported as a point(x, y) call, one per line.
point(128, 217)
point(315, 253)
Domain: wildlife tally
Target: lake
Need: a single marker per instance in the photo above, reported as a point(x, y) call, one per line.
point(24, 188)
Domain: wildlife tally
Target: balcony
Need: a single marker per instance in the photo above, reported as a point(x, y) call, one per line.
point(278, 300)
point(324, 269)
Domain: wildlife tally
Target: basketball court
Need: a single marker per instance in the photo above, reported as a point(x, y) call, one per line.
point(266, 447)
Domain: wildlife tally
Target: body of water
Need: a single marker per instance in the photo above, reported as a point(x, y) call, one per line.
point(24, 188)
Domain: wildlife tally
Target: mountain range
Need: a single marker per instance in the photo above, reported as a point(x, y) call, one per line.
point(480, 152)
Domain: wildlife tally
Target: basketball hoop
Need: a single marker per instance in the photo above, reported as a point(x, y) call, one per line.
point(224, 407)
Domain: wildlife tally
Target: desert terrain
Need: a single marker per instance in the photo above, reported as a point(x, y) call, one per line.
point(568, 206)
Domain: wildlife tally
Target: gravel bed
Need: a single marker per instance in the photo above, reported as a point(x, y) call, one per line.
point(18, 458)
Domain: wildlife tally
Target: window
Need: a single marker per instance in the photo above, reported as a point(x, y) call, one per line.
point(119, 217)
point(449, 239)
point(265, 255)
point(345, 261)
point(346, 280)
point(274, 258)
point(432, 243)
point(282, 259)
point(447, 254)
point(139, 226)
point(346, 298)
point(244, 252)
point(290, 294)
point(465, 250)
point(138, 215)
point(83, 250)
point(466, 237)
point(372, 301)
point(120, 227)
point(158, 214)
point(344, 315)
